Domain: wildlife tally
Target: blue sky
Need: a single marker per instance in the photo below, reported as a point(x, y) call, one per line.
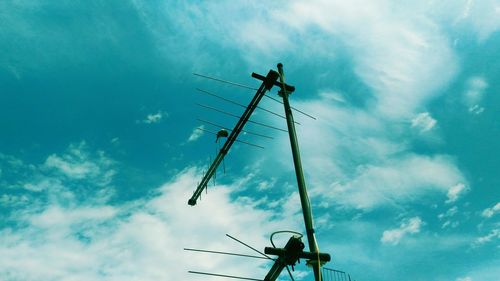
point(99, 150)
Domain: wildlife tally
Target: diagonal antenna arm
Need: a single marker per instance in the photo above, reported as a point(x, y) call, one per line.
point(267, 84)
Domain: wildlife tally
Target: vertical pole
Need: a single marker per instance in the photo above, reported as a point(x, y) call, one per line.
point(304, 199)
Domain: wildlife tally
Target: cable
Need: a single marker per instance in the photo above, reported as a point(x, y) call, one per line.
point(283, 231)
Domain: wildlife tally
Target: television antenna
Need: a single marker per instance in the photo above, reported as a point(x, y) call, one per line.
point(293, 251)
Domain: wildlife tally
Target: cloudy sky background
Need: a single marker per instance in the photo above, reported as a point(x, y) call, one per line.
point(99, 150)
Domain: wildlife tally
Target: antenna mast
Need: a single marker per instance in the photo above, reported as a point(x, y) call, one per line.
point(293, 250)
point(304, 198)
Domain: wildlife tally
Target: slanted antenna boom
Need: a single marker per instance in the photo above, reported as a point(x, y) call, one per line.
point(267, 84)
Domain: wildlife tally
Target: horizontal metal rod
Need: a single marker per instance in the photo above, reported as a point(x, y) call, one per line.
point(245, 142)
point(305, 255)
point(242, 105)
point(224, 253)
point(236, 116)
point(288, 88)
point(293, 108)
point(330, 269)
point(224, 275)
point(244, 244)
point(244, 131)
point(225, 81)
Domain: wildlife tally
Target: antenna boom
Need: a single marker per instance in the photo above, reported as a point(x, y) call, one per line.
point(268, 82)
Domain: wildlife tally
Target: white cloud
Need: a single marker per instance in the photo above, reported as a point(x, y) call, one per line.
point(332, 95)
point(408, 226)
point(494, 234)
point(482, 16)
point(391, 53)
point(396, 181)
point(141, 240)
point(196, 134)
point(474, 93)
point(450, 213)
point(489, 212)
point(71, 169)
point(423, 122)
point(354, 158)
point(476, 109)
point(467, 278)
point(154, 118)
point(455, 192)
point(78, 163)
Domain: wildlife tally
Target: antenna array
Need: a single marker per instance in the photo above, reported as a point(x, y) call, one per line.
point(293, 251)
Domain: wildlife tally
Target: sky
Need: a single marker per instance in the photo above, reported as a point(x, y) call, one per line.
point(101, 147)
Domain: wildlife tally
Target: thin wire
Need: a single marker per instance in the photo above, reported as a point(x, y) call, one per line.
point(236, 116)
point(223, 275)
point(224, 253)
point(249, 247)
point(227, 82)
point(244, 131)
point(242, 105)
point(299, 111)
point(283, 231)
point(250, 88)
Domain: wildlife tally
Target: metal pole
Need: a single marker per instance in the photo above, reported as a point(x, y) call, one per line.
point(304, 199)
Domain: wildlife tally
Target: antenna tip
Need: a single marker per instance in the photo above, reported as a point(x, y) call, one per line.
point(192, 202)
point(280, 65)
